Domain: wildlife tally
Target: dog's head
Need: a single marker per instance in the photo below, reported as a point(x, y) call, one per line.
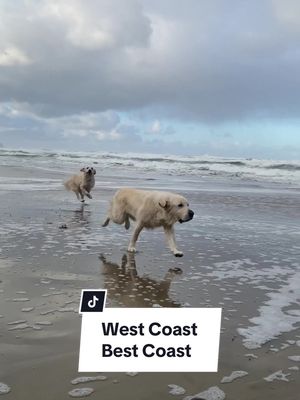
point(89, 171)
point(176, 207)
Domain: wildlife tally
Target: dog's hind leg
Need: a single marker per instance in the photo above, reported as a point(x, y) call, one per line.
point(118, 218)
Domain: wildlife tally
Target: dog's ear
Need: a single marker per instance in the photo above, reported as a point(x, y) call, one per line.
point(82, 170)
point(94, 171)
point(164, 204)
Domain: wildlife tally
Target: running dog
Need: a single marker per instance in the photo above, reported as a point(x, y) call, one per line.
point(150, 209)
point(82, 184)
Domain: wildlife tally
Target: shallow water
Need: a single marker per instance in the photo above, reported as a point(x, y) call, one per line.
point(241, 252)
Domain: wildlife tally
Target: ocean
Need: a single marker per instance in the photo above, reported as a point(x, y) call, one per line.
point(20, 165)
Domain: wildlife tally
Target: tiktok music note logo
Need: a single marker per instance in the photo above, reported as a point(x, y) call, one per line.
point(92, 303)
point(92, 300)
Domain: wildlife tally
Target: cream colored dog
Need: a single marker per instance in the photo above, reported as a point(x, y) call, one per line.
point(150, 209)
point(82, 184)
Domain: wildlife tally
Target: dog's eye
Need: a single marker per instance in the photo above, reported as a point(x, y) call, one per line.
point(180, 205)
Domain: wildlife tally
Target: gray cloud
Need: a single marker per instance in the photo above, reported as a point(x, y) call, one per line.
point(199, 60)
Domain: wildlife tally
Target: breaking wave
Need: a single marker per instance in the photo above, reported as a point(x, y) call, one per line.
point(274, 171)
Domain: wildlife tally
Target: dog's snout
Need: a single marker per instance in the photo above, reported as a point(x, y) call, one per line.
point(189, 215)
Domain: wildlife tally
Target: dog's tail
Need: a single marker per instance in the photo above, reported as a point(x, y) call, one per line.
point(67, 185)
point(106, 222)
point(108, 215)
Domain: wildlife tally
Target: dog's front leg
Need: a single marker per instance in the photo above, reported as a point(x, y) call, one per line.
point(77, 195)
point(134, 238)
point(86, 193)
point(81, 196)
point(170, 236)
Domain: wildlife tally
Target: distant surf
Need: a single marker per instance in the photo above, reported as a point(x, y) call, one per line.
point(237, 168)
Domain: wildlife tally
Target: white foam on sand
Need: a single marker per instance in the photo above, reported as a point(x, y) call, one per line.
point(245, 268)
point(294, 368)
point(20, 327)
point(4, 388)
point(84, 379)
point(294, 358)
point(82, 392)
point(20, 299)
point(250, 355)
point(273, 320)
point(176, 390)
point(20, 321)
point(27, 309)
point(213, 393)
point(234, 375)
point(277, 376)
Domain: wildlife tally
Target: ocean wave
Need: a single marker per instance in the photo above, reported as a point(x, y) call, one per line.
point(270, 170)
point(23, 153)
point(286, 167)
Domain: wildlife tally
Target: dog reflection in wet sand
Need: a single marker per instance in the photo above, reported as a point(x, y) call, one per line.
point(125, 285)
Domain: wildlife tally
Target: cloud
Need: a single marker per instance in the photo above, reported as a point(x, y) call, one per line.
point(19, 127)
point(202, 61)
point(155, 127)
point(13, 56)
point(288, 14)
point(70, 70)
point(99, 25)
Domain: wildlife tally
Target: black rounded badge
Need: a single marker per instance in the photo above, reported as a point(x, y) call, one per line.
point(92, 300)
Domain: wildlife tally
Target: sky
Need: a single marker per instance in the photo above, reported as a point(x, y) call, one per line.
point(192, 77)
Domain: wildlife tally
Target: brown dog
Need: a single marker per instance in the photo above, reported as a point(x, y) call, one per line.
point(82, 184)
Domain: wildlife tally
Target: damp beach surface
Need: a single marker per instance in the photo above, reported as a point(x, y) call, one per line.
point(241, 253)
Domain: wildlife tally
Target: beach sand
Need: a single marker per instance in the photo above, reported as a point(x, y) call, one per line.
point(241, 253)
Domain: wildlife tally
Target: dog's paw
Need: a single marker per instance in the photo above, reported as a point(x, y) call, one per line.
point(102, 257)
point(89, 196)
point(178, 253)
point(131, 249)
point(127, 225)
point(82, 201)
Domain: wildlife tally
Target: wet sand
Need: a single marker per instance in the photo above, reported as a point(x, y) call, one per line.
point(241, 252)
